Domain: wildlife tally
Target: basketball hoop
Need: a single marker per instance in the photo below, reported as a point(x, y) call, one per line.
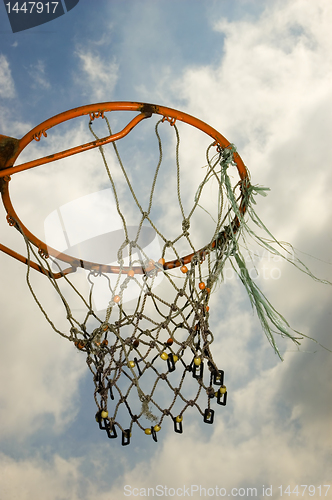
point(156, 361)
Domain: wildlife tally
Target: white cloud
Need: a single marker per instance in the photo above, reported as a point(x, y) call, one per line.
point(272, 72)
point(7, 87)
point(38, 479)
point(97, 76)
point(271, 95)
point(38, 74)
point(41, 373)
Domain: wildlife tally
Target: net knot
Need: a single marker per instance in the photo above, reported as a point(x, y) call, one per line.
point(210, 391)
point(185, 226)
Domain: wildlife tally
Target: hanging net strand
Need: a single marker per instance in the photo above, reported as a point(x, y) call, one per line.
point(155, 362)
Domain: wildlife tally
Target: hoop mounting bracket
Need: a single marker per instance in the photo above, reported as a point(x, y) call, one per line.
point(8, 149)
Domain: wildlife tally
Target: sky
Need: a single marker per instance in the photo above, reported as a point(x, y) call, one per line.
point(260, 72)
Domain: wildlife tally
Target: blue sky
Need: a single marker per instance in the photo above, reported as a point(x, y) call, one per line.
point(261, 73)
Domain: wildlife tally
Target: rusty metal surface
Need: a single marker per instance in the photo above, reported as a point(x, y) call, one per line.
point(8, 149)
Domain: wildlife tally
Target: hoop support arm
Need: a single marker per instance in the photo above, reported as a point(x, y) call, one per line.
point(73, 151)
point(33, 265)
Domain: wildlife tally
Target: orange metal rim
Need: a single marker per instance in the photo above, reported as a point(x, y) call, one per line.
point(95, 111)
